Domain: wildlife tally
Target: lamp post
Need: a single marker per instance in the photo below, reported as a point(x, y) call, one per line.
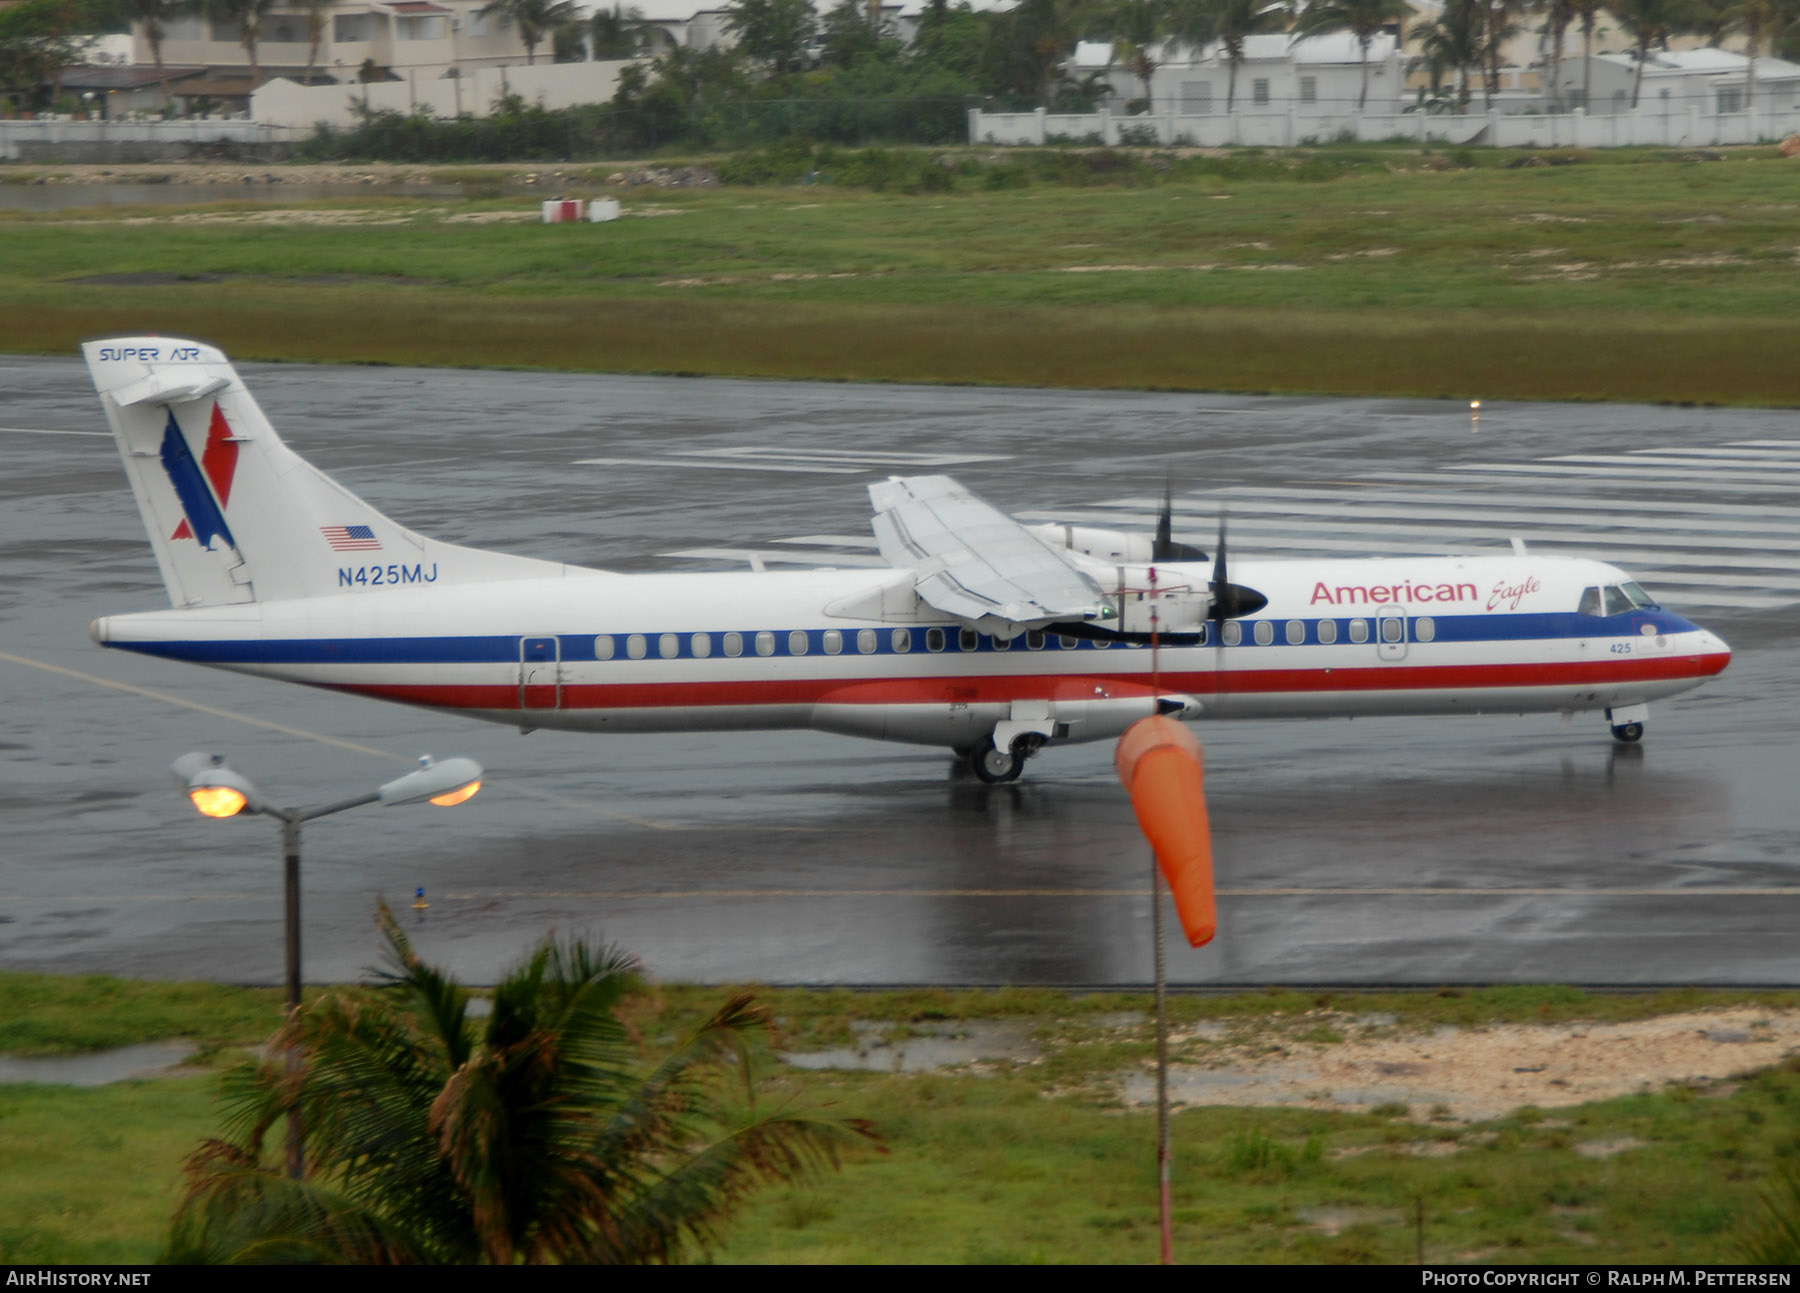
point(219, 790)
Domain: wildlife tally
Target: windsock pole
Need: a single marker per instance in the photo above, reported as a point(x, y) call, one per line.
point(1164, 1150)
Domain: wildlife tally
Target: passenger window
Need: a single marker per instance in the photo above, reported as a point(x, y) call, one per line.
point(834, 642)
point(1296, 632)
point(1391, 629)
point(1034, 640)
point(1617, 603)
point(1205, 634)
point(1100, 644)
point(1328, 631)
point(1066, 643)
point(603, 647)
point(1590, 602)
point(1002, 644)
point(765, 643)
point(635, 646)
point(1424, 629)
point(967, 640)
point(934, 639)
point(1265, 632)
point(865, 641)
point(1234, 633)
point(1359, 630)
point(701, 646)
point(902, 641)
point(734, 644)
point(668, 646)
point(797, 642)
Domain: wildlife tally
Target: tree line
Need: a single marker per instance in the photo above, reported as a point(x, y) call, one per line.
point(847, 75)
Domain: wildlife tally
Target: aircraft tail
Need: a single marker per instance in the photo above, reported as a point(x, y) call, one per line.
point(234, 515)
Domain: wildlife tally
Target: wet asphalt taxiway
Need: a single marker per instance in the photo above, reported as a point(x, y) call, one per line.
point(1377, 851)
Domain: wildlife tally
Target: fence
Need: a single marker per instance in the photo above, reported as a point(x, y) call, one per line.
point(139, 141)
point(1657, 123)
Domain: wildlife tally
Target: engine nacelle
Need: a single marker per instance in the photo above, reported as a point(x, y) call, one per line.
point(1116, 546)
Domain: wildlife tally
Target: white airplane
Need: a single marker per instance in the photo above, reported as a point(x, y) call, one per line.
point(984, 635)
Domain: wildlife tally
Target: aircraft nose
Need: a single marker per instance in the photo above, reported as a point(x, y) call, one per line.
point(1716, 650)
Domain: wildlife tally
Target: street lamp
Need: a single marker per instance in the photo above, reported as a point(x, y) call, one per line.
point(219, 790)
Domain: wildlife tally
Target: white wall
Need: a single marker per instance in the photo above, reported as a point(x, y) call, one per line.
point(553, 85)
point(1285, 127)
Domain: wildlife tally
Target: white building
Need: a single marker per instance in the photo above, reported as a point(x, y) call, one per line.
point(1278, 72)
point(1710, 81)
point(380, 41)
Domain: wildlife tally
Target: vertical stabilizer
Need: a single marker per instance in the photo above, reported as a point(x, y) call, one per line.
point(234, 515)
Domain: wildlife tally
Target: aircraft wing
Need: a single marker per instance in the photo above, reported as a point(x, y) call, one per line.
point(975, 562)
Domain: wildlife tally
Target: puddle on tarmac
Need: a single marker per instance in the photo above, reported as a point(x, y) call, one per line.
point(152, 1059)
point(927, 1047)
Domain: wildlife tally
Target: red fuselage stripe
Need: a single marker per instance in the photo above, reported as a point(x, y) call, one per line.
point(1396, 677)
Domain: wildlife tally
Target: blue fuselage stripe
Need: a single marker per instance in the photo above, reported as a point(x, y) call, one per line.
point(505, 648)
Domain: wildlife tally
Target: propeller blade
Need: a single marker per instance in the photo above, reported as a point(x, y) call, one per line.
point(1164, 548)
point(1230, 601)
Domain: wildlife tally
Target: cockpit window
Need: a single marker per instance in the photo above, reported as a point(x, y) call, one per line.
point(1615, 599)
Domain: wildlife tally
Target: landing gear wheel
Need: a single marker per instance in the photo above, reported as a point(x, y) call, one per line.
point(1628, 733)
point(995, 766)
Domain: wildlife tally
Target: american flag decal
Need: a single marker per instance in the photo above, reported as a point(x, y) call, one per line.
point(350, 538)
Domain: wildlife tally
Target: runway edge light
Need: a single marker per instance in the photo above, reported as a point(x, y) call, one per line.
point(1161, 765)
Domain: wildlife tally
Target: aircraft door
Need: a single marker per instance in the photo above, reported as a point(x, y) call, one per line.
point(540, 673)
point(1391, 634)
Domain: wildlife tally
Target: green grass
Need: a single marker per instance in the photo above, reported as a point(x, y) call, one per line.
point(53, 1014)
point(1661, 280)
point(1036, 1162)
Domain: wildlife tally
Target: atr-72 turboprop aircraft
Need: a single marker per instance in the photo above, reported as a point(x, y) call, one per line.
point(983, 635)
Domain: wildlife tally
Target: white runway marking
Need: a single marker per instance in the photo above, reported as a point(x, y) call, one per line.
point(719, 466)
point(50, 431)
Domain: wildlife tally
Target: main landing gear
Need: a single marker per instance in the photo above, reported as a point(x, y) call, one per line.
point(996, 766)
point(1628, 723)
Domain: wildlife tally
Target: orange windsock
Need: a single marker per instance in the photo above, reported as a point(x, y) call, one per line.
point(1160, 762)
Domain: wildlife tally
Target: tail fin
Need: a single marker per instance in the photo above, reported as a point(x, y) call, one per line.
point(234, 514)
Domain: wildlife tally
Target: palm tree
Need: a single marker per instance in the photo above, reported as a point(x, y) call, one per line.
point(1758, 19)
point(1558, 14)
point(1231, 23)
point(317, 11)
point(529, 1136)
point(1650, 22)
point(1363, 19)
point(1589, 12)
point(1497, 27)
point(1137, 27)
point(616, 32)
point(1454, 41)
point(248, 16)
point(536, 19)
point(155, 15)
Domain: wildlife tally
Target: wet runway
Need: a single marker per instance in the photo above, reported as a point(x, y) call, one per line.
point(1380, 851)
